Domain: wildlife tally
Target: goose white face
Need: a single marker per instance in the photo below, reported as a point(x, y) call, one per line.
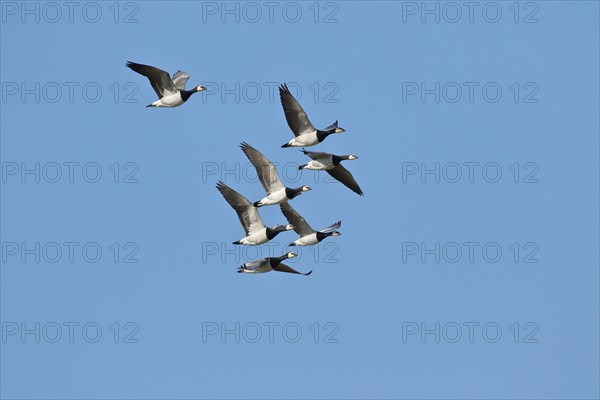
point(200, 88)
point(352, 157)
point(291, 255)
point(336, 233)
point(339, 130)
point(306, 188)
point(289, 227)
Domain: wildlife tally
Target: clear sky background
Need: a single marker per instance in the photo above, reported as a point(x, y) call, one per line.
point(375, 288)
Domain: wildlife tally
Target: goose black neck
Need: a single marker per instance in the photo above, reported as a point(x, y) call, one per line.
point(321, 135)
point(185, 94)
point(275, 261)
point(291, 193)
point(337, 159)
point(271, 233)
point(323, 235)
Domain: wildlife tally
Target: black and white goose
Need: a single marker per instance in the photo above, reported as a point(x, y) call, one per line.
point(270, 264)
point(256, 232)
point(267, 175)
point(332, 164)
point(306, 134)
point(308, 236)
point(170, 90)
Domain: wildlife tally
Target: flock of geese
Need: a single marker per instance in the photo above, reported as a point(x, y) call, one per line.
point(171, 92)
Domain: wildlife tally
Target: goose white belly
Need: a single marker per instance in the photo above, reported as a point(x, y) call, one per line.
point(171, 100)
point(305, 140)
point(307, 240)
point(255, 238)
point(277, 197)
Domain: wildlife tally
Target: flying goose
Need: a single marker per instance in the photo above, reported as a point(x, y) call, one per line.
point(269, 264)
point(170, 90)
point(267, 174)
point(256, 232)
point(306, 134)
point(308, 236)
point(332, 164)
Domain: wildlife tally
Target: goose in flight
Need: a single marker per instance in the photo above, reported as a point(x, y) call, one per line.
point(308, 236)
point(332, 164)
point(267, 175)
point(170, 90)
point(270, 264)
point(304, 131)
point(256, 232)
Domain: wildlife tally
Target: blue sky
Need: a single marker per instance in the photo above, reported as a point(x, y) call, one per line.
point(468, 270)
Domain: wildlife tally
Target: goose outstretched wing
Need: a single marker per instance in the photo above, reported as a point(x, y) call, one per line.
point(179, 79)
point(247, 213)
point(344, 176)
point(285, 268)
point(315, 155)
point(294, 113)
point(301, 227)
point(332, 227)
point(160, 80)
point(267, 174)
